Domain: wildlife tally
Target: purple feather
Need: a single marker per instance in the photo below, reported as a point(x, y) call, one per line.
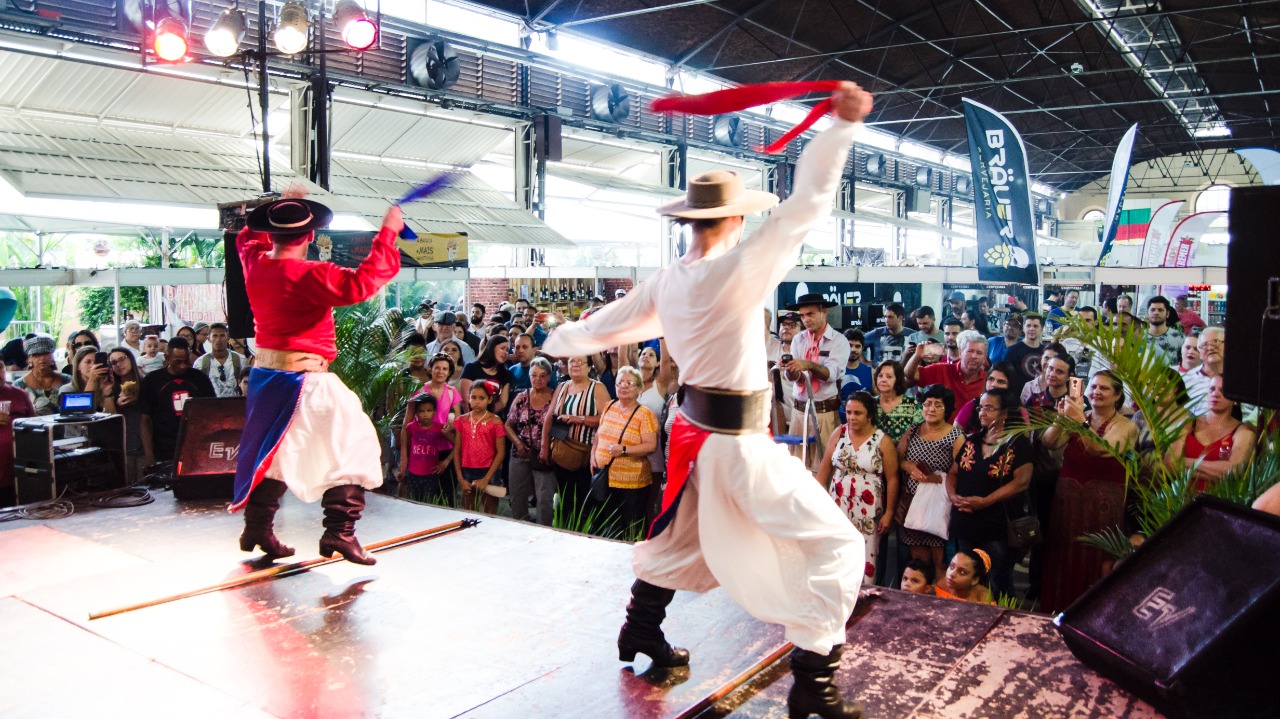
point(425, 189)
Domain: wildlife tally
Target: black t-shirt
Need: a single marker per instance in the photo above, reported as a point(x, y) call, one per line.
point(161, 396)
point(1026, 365)
point(474, 372)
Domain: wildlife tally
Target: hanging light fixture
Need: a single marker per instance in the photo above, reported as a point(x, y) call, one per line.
point(171, 39)
point(291, 28)
point(223, 39)
point(358, 31)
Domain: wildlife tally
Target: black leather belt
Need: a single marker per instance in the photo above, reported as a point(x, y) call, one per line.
point(724, 411)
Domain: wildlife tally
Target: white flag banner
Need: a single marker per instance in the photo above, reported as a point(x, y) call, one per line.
point(1185, 239)
point(1265, 160)
point(1156, 244)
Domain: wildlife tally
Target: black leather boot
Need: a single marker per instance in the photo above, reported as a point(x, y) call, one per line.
point(259, 517)
point(342, 507)
point(815, 690)
point(642, 631)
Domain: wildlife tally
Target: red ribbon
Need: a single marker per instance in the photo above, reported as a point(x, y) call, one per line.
point(735, 99)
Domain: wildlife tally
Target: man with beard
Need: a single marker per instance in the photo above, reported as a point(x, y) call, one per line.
point(890, 341)
point(1058, 316)
point(999, 348)
point(1160, 336)
point(951, 329)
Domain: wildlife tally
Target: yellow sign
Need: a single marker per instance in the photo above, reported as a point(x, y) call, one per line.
point(436, 249)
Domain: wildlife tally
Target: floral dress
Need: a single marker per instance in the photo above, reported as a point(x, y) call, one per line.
point(858, 488)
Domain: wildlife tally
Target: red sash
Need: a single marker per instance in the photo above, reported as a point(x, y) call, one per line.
point(685, 444)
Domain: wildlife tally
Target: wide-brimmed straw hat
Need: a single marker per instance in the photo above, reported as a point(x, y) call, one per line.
point(719, 193)
point(289, 216)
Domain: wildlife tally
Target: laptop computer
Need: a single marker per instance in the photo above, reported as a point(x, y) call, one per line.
point(74, 406)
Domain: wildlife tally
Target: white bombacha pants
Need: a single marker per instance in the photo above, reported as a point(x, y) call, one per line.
point(753, 520)
point(330, 441)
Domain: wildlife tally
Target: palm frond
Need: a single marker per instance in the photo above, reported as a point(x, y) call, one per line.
point(1112, 541)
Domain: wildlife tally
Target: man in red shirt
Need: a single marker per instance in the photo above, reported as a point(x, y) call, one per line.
point(304, 430)
point(966, 378)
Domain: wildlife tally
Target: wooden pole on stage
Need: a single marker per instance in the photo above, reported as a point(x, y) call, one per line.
point(735, 683)
point(289, 569)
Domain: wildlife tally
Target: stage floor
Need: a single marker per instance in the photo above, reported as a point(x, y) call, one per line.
point(505, 619)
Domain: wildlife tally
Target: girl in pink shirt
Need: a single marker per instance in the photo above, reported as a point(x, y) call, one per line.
point(481, 441)
point(427, 443)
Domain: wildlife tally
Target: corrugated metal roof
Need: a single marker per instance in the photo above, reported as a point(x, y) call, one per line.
point(91, 152)
point(389, 133)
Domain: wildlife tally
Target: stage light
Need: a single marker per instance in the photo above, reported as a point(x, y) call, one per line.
point(358, 31)
point(171, 40)
point(223, 39)
point(291, 28)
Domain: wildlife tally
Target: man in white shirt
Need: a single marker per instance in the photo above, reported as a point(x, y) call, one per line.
point(1211, 361)
point(222, 364)
point(738, 510)
point(819, 355)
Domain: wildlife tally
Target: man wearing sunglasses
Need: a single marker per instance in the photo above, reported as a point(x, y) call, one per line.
point(222, 364)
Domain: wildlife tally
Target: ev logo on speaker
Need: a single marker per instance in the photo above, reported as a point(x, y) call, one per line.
point(1158, 609)
point(218, 450)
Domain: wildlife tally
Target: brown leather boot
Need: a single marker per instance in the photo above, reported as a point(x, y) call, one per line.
point(342, 508)
point(259, 518)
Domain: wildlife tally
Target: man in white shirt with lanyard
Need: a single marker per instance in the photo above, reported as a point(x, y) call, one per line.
point(738, 510)
point(819, 355)
point(222, 365)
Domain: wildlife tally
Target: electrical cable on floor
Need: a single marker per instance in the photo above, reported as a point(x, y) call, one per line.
point(65, 505)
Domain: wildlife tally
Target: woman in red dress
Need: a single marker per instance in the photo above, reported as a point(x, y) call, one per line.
point(1216, 441)
point(1090, 491)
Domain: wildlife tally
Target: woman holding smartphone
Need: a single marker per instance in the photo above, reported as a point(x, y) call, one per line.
point(122, 399)
point(89, 374)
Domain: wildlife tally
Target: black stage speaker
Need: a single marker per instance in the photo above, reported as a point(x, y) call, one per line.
point(204, 461)
point(1253, 304)
point(1190, 622)
point(231, 217)
point(548, 137)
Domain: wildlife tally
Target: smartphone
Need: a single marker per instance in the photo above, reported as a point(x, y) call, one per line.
point(101, 358)
point(1077, 388)
point(784, 359)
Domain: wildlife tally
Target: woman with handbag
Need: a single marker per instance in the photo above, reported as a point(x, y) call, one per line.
point(628, 434)
point(1089, 496)
point(569, 430)
point(859, 462)
point(530, 476)
point(928, 450)
point(989, 479)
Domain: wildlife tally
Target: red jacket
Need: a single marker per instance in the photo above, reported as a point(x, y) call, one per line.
point(293, 300)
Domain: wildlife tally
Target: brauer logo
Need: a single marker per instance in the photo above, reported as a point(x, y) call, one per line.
point(1158, 609)
point(218, 450)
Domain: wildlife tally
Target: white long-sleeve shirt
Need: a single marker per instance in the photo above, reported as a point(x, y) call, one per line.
point(712, 306)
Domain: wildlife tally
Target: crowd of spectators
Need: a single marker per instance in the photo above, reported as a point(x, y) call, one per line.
point(924, 404)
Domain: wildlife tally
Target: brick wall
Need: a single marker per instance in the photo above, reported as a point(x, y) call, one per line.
point(488, 291)
point(612, 285)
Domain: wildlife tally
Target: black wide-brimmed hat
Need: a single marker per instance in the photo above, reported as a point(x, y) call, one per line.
point(289, 216)
point(812, 298)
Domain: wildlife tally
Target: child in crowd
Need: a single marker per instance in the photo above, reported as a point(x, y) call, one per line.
point(242, 382)
point(481, 446)
point(428, 452)
point(918, 577)
point(966, 577)
point(151, 359)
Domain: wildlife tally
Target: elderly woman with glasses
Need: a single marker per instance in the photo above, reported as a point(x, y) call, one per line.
point(43, 382)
